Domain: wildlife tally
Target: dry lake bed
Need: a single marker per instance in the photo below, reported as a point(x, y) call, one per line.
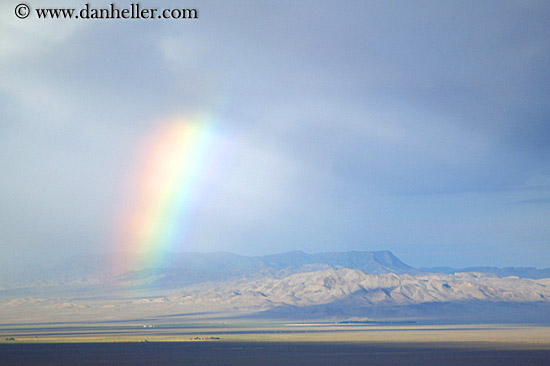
point(272, 344)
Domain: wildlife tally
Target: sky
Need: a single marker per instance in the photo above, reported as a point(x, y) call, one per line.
point(417, 127)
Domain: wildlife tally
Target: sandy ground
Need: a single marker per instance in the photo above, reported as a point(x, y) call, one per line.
point(499, 336)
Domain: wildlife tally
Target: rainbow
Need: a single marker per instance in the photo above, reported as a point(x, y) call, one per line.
point(179, 165)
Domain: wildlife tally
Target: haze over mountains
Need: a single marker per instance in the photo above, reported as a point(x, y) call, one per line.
point(292, 285)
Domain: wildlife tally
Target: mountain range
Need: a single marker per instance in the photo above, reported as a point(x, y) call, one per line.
point(358, 285)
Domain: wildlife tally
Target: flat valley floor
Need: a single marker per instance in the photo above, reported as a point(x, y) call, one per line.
point(273, 344)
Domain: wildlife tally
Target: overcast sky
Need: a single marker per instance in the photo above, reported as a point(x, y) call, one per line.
point(418, 127)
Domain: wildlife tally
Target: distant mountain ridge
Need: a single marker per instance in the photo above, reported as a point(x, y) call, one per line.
point(291, 285)
point(331, 294)
point(193, 267)
point(524, 272)
point(377, 262)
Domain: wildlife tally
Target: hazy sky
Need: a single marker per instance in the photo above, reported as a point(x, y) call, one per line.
point(418, 127)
